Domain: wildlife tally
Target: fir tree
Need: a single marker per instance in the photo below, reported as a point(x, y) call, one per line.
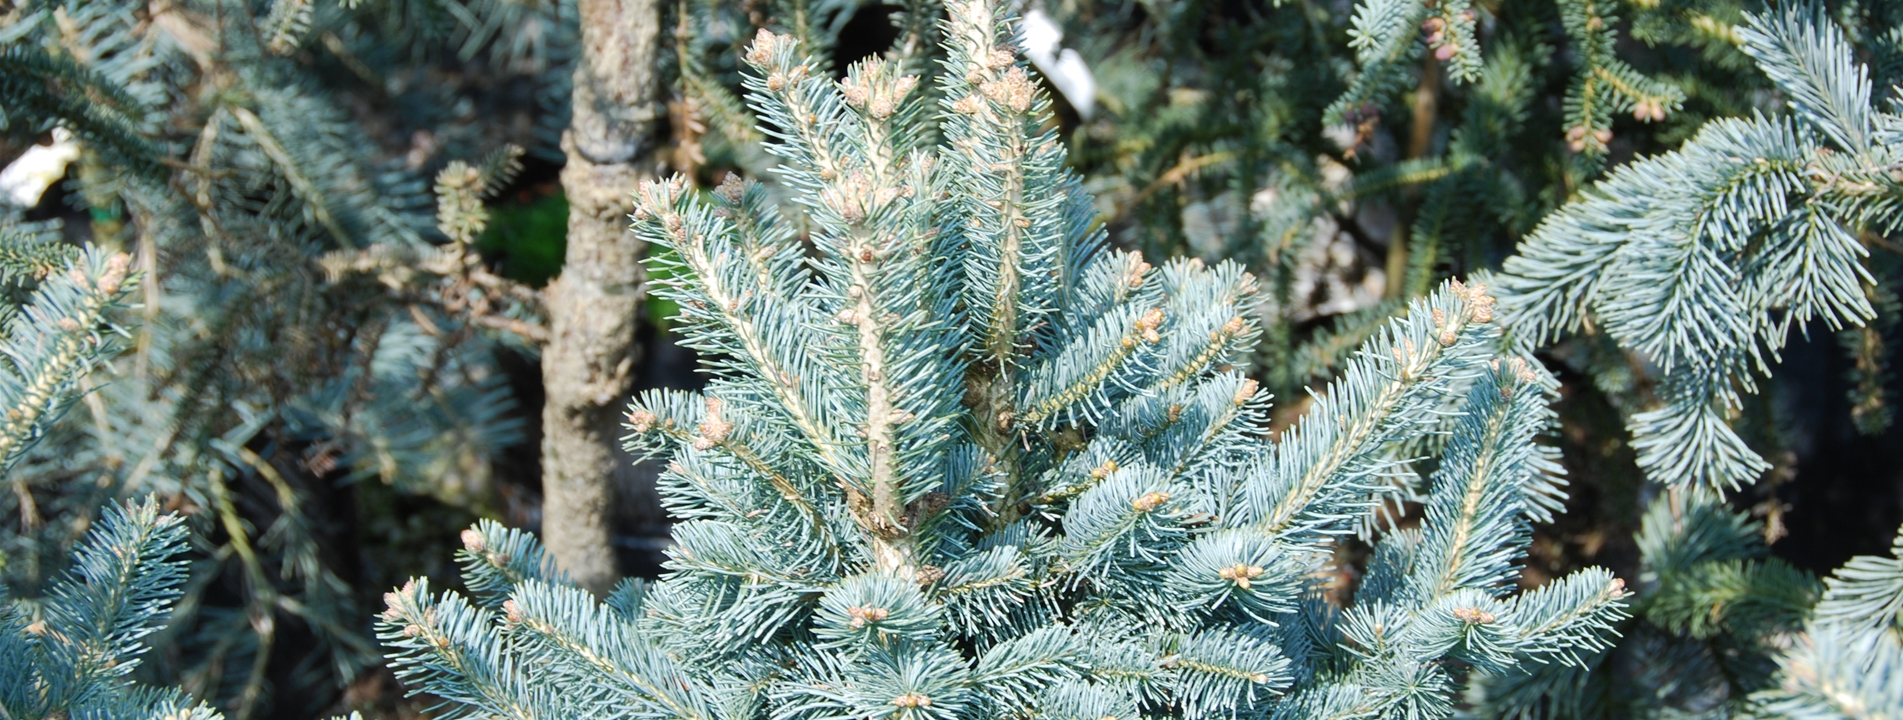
point(1691, 269)
point(1721, 629)
point(1308, 141)
point(963, 461)
point(712, 126)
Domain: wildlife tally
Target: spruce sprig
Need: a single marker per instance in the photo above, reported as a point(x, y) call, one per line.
point(1704, 259)
point(75, 656)
point(50, 345)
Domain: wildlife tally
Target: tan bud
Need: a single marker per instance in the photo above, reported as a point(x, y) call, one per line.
point(765, 43)
point(731, 188)
point(856, 94)
point(1473, 616)
point(115, 273)
point(1150, 501)
point(928, 574)
point(1151, 320)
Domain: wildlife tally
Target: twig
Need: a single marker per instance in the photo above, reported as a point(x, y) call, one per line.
point(1173, 176)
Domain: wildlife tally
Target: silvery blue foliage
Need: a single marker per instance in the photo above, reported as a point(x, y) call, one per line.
point(219, 145)
point(50, 343)
point(958, 459)
point(1722, 629)
point(1849, 660)
point(72, 654)
point(1702, 260)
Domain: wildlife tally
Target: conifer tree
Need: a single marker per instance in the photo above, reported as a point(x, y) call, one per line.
point(711, 125)
point(1309, 140)
point(964, 461)
point(1849, 660)
point(1711, 613)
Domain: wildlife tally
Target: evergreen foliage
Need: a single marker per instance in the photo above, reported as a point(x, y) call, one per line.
point(305, 321)
point(1702, 260)
point(1711, 612)
point(50, 344)
point(711, 124)
point(71, 654)
point(1720, 629)
point(1849, 660)
point(1678, 277)
point(964, 461)
point(958, 457)
point(1309, 140)
point(1603, 84)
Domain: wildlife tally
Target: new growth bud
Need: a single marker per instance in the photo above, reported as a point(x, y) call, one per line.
point(1014, 90)
point(641, 420)
point(863, 616)
point(1473, 616)
point(115, 274)
point(1240, 574)
point(765, 44)
point(1147, 325)
point(1150, 501)
point(713, 430)
point(1246, 391)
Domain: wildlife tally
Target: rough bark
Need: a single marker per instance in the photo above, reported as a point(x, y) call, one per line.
point(594, 306)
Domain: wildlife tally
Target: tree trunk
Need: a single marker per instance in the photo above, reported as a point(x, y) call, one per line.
point(595, 304)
